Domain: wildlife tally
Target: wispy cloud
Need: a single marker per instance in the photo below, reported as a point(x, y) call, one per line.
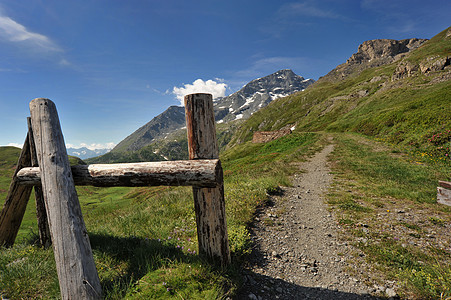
point(216, 88)
point(307, 9)
point(64, 62)
point(30, 42)
point(15, 145)
point(304, 15)
point(11, 31)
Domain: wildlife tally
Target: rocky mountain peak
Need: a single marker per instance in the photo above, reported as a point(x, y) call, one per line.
point(171, 119)
point(240, 105)
point(258, 93)
point(283, 79)
point(373, 53)
point(383, 49)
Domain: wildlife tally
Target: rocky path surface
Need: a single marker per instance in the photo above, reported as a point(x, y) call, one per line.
point(297, 253)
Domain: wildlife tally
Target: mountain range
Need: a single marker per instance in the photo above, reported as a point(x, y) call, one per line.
point(376, 85)
point(257, 94)
point(85, 153)
point(240, 105)
point(396, 90)
point(387, 113)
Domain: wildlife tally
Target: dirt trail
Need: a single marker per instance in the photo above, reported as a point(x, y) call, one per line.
point(297, 254)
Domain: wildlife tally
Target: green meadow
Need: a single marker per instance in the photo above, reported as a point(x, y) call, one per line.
point(392, 145)
point(144, 240)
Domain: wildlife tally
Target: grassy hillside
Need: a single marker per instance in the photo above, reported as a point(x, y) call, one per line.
point(385, 202)
point(145, 244)
point(8, 160)
point(392, 140)
point(173, 147)
point(144, 239)
point(409, 111)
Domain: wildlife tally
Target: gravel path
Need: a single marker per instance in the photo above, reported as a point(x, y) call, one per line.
point(297, 253)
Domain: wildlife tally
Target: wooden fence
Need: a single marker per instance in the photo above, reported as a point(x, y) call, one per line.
point(44, 165)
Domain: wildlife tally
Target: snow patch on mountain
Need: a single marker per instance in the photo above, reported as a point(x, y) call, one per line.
point(85, 153)
point(240, 105)
point(257, 94)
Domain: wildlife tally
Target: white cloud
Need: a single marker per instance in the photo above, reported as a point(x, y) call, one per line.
point(308, 9)
point(64, 62)
point(217, 89)
point(15, 145)
point(92, 146)
point(11, 31)
point(31, 43)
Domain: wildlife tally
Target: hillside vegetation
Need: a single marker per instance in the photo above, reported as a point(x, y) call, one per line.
point(173, 147)
point(144, 239)
point(408, 106)
point(391, 126)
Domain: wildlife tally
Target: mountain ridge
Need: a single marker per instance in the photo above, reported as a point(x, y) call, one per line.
point(171, 119)
point(373, 53)
point(240, 105)
point(373, 97)
point(85, 153)
point(258, 93)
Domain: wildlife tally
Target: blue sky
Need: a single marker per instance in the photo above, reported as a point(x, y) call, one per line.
point(111, 66)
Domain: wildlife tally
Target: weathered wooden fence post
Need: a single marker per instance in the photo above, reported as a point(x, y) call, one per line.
point(43, 224)
point(16, 201)
point(209, 203)
point(77, 273)
point(43, 163)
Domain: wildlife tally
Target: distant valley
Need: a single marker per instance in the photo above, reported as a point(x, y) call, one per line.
point(85, 153)
point(163, 137)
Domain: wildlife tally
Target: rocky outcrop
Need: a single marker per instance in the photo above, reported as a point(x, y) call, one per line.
point(434, 63)
point(403, 70)
point(375, 53)
point(383, 49)
point(257, 94)
point(431, 64)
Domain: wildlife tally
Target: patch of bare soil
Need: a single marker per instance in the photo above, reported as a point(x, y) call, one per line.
point(297, 253)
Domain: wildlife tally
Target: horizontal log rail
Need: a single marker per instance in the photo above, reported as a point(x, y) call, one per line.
point(45, 147)
point(198, 173)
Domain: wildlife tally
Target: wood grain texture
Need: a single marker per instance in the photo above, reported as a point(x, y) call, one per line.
point(16, 201)
point(202, 173)
point(201, 127)
point(77, 273)
point(43, 225)
point(209, 203)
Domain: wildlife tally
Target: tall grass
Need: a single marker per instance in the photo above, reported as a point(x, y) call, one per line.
point(144, 240)
point(395, 197)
